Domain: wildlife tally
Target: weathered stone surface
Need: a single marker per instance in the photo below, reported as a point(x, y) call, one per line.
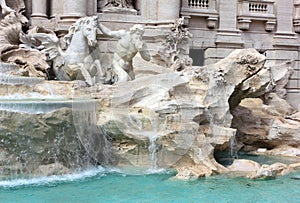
point(281, 74)
point(264, 125)
point(285, 151)
point(183, 115)
point(273, 170)
point(193, 172)
point(244, 166)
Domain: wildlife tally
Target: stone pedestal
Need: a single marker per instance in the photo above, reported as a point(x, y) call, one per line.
point(73, 10)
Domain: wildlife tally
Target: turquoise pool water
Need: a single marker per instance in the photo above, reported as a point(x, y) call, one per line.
point(99, 185)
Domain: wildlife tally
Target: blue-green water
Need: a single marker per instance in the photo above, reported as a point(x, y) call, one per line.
point(103, 186)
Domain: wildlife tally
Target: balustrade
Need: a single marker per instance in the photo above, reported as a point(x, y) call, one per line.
point(259, 10)
point(198, 3)
point(202, 8)
point(258, 7)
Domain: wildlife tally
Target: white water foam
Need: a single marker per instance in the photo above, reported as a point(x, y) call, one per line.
point(52, 179)
point(138, 171)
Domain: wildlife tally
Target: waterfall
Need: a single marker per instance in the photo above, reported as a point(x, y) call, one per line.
point(91, 136)
point(153, 150)
point(50, 136)
point(233, 152)
point(34, 106)
point(153, 147)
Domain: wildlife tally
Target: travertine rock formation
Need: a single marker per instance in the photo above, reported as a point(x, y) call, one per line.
point(167, 120)
point(266, 126)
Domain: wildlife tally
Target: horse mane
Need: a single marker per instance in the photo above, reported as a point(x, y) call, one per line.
point(78, 25)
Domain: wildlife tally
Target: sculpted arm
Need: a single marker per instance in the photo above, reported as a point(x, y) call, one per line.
point(111, 33)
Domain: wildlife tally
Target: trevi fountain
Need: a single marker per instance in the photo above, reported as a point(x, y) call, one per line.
point(137, 123)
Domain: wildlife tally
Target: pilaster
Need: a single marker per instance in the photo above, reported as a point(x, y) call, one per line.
point(39, 12)
point(56, 7)
point(297, 16)
point(73, 10)
point(159, 11)
point(285, 37)
point(228, 35)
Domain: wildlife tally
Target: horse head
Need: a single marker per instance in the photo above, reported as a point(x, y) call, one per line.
point(89, 30)
point(87, 26)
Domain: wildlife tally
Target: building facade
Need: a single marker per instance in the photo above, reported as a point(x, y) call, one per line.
point(218, 26)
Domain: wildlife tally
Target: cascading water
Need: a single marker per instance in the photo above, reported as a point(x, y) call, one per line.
point(153, 150)
point(46, 134)
point(233, 148)
point(91, 136)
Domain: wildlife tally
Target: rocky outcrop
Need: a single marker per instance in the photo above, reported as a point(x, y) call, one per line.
point(266, 126)
point(159, 120)
point(253, 170)
point(178, 119)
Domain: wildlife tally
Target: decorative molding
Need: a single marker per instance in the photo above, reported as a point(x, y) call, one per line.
point(201, 8)
point(259, 10)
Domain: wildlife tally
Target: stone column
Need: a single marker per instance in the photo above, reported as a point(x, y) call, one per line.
point(39, 10)
point(73, 10)
point(56, 8)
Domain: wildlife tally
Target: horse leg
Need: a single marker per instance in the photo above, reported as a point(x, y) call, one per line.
point(99, 75)
point(86, 75)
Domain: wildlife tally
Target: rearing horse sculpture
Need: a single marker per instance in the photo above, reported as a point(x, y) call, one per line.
point(80, 60)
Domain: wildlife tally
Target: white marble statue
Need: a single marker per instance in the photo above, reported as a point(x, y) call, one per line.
point(5, 8)
point(130, 43)
point(80, 60)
